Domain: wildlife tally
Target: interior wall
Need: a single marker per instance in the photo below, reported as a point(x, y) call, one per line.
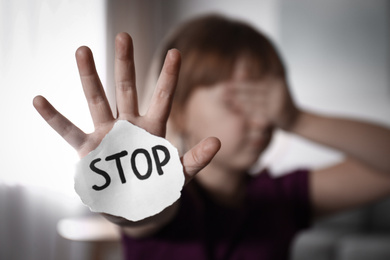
point(262, 14)
point(338, 56)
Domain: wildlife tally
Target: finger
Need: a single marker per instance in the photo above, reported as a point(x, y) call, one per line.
point(199, 156)
point(72, 134)
point(161, 103)
point(126, 92)
point(93, 89)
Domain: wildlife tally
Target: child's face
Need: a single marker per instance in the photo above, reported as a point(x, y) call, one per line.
point(208, 113)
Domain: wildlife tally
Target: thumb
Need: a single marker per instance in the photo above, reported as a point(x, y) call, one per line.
point(199, 156)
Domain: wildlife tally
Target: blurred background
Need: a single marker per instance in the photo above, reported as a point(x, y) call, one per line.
point(338, 57)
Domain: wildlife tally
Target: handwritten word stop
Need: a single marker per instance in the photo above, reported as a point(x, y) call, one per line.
point(131, 174)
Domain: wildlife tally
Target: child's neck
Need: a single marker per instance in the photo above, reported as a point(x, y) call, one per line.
point(226, 187)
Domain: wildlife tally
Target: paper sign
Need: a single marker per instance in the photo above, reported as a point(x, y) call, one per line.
point(132, 174)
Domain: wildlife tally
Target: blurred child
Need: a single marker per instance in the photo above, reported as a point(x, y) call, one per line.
point(231, 86)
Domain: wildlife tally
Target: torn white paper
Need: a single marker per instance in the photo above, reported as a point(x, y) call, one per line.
point(132, 174)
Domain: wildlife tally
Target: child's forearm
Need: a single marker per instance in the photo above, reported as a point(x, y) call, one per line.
point(366, 142)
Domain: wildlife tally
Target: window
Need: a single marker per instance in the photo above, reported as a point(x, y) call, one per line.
point(38, 40)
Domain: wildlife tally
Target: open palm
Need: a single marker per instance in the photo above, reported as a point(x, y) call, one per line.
point(154, 121)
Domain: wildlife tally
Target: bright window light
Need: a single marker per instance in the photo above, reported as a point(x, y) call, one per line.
point(38, 40)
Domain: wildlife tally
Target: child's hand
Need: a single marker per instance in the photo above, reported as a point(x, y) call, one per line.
point(126, 97)
point(267, 100)
point(127, 105)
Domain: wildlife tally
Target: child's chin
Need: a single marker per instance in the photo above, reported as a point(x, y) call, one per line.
point(246, 165)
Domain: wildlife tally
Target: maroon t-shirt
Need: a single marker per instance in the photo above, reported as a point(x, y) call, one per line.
point(275, 209)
